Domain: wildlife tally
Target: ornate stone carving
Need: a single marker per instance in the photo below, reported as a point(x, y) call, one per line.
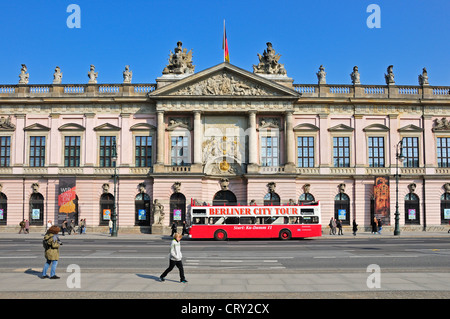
point(355, 76)
point(321, 75)
point(105, 188)
point(224, 183)
point(271, 187)
point(412, 187)
point(267, 123)
point(223, 167)
point(178, 122)
point(447, 188)
point(180, 62)
point(127, 74)
point(268, 62)
point(5, 123)
point(35, 187)
point(141, 188)
point(389, 77)
point(341, 188)
point(441, 125)
point(92, 75)
point(57, 76)
point(158, 213)
point(176, 187)
point(24, 76)
point(423, 78)
point(224, 84)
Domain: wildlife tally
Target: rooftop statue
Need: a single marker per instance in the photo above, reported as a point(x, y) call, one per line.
point(127, 74)
point(321, 75)
point(268, 62)
point(57, 76)
point(390, 75)
point(180, 62)
point(423, 78)
point(92, 75)
point(355, 75)
point(24, 76)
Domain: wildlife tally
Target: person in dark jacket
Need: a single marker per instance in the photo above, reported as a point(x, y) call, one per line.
point(174, 229)
point(355, 227)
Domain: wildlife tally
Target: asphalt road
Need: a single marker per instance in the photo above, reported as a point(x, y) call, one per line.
point(307, 255)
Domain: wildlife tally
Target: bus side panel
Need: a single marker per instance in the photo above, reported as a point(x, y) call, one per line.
point(305, 231)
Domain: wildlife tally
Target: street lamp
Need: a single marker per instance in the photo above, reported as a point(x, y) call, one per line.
point(399, 157)
point(114, 212)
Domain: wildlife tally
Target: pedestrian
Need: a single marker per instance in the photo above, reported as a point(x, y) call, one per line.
point(339, 226)
point(81, 226)
point(84, 226)
point(380, 226)
point(22, 226)
point(51, 244)
point(332, 226)
point(110, 225)
point(185, 229)
point(49, 224)
point(355, 227)
point(174, 229)
point(64, 227)
point(374, 226)
point(175, 258)
point(72, 227)
point(27, 226)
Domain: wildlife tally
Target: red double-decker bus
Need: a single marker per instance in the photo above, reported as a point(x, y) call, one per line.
point(284, 222)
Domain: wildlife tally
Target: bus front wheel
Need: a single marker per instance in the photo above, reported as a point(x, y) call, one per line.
point(285, 234)
point(220, 235)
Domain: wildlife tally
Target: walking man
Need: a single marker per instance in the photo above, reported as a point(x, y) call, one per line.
point(175, 257)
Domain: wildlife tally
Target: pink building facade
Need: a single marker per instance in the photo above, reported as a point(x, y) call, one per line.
point(224, 135)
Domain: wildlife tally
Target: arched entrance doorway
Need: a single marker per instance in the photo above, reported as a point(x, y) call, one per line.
point(342, 208)
point(177, 209)
point(36, 209)
point(224, 197)
point(3, 209)
point(142, 210)
point(106, 208)
point(412, 209)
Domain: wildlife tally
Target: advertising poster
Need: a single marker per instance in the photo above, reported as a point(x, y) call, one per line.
point(342, 213)
point(177, 214)
point(35, 213)
point(381, 194)
point(66, 199)
point(107, 214)
point(142, 214)
point(411, 214)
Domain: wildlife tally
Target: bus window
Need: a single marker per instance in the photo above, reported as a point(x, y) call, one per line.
point(199, 220)
point(232, 221)
point(279, 220)
point(307, 211)
point(310, 219)
point(294, 220)
point(247, 220)
point(216, 220)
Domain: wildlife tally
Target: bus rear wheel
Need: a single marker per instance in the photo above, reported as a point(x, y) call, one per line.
point(220, 235)
point(285, 234)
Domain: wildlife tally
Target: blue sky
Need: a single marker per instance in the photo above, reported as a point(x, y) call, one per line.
point(413, 34)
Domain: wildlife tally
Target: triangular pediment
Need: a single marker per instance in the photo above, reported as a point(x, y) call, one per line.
point(410, 128)
point(341, 128)
point(36, 127)
point(224, 80)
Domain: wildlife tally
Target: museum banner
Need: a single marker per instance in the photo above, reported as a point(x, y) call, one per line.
point(382, 199)
point(67, 200)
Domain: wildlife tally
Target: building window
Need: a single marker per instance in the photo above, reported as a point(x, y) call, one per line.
point(37, 151)
point(5, 151)
point(179, 150)
point(376, 151)
point(411, 151)
point(106, 150)
point(72, 151)
point(143, 151)
point(269, 151)
point(341, 151)
point(443, 151)
point(305, 151)
point(272, 198)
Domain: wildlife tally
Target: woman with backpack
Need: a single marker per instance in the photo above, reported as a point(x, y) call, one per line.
point(51, 245)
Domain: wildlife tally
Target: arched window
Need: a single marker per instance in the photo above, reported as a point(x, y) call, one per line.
point(445, 208)
point(342, 208)
point(3, 209)
point(412, 209)
point(177, 208)
point(306, 198)
point(142, 207)
point(224, 197)
point(36, 209)
point(106, 208)
point(272, 199)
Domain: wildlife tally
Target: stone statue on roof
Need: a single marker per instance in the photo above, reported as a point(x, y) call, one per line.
point(268, 62)
point(180, 61)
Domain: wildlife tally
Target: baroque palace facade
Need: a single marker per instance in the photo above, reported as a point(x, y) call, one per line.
point(223, 136)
